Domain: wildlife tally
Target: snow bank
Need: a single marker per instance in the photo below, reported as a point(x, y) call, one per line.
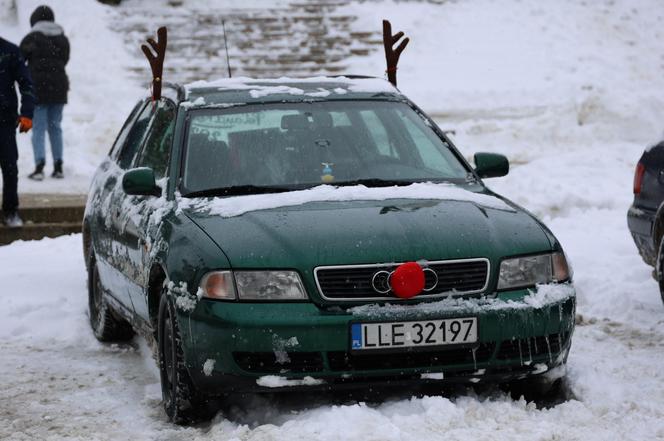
point(35, 308)
point(238, 205)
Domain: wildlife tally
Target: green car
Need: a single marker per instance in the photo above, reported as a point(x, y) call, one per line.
point(323, 233)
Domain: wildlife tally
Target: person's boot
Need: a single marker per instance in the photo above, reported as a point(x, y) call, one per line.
point(12, 220)
point(38, 174)
point(57, 170)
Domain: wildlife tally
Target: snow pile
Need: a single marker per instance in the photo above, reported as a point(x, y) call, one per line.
point(208, 367)
point(183, 299)
point(544, 295)
point(280, 346)
point(433, 376)
point(277, 381)
point(238, 205)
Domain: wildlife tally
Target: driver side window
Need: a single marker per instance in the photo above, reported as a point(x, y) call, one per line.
point(157, 148)
point(135, 138)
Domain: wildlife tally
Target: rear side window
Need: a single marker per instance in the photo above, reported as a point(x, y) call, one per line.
point(157, 147)
point(126, 127)
point(135, 137)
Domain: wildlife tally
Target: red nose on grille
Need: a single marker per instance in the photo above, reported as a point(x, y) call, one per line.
point(407, 280)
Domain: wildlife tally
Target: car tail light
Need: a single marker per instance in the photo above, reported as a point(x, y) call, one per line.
point(638, 177)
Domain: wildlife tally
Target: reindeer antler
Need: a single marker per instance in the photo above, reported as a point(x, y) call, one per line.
point(156, 60)
point(391, 54)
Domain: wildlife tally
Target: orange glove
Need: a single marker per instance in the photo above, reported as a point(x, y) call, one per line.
point(24, 124)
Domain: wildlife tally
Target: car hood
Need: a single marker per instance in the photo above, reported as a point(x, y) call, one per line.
point(354, 232)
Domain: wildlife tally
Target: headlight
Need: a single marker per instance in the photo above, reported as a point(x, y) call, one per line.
point(531, 270)
point(269, 285)
point(253, 285)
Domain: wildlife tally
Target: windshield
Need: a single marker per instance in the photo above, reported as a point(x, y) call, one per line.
point(281, 146)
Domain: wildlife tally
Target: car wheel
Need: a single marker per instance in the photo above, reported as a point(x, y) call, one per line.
point(105, 325)
point(540, 390)
point(659, 269)
point(179, 395)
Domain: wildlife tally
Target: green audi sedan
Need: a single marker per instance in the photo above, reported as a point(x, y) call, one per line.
point(321, 233)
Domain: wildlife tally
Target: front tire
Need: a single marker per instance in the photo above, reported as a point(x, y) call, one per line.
point(105, 326)
point(179, 395)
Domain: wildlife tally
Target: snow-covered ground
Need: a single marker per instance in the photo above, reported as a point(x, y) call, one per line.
point(570, 91)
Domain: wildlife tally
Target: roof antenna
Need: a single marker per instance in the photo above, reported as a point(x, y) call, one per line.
point(391, 54)
point(228, 60)
point(156, 60)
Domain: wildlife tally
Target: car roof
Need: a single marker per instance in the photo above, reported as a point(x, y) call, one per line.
point(233, 91)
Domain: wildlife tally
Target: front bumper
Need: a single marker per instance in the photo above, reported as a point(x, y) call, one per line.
point(229, 346)
point(640, 222)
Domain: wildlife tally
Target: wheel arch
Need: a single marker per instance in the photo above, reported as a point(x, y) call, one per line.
point(158, 275)
point(658, 227)
point(88, 252)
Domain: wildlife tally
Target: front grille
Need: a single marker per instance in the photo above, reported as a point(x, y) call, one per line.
point(354, 282)
point(346, 361)
point(527, 348)
point(266, 362)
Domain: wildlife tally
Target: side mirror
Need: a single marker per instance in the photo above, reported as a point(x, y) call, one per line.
point(491, 165)
point(140, 182)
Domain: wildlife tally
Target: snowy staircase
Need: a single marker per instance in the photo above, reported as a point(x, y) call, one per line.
point(297, 39)
point(46, 215)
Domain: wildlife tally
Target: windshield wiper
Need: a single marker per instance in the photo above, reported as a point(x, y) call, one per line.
point(375, 182)
point(236, 190)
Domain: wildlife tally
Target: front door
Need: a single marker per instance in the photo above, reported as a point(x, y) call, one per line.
point(138, 227)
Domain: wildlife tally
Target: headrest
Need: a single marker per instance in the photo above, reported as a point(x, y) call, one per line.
point(297, 122)
point(201, 141)
point(198, 139)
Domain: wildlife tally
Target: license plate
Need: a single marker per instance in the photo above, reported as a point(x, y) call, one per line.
point(367, 336)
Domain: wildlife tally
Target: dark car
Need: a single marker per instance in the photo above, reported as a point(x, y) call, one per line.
point(645, 216)
point(316, 233)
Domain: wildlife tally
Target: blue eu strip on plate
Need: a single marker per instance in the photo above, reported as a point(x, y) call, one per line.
point(356, 336)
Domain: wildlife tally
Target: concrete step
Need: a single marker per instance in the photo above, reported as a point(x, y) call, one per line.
point(32, 231)
point(46, 215)
point(301, 38)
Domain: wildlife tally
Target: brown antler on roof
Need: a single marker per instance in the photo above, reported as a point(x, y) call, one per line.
point(392, 54)
point(156, 60)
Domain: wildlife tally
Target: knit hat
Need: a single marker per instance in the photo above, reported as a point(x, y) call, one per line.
point(42, 13)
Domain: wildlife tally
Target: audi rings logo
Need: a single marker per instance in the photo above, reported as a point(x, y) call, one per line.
point(380, 282)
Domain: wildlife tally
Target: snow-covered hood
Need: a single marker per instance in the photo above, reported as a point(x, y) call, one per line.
point(360, 231)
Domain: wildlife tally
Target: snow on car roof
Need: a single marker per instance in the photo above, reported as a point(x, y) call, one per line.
point(243, 89)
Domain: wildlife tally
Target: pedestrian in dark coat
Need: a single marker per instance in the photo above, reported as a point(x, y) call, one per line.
point(47, 51)
point(12, 70)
